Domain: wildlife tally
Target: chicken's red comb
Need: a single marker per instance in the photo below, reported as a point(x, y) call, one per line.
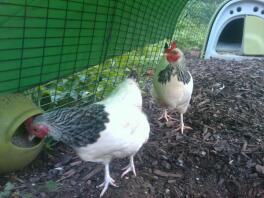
point(172, 46)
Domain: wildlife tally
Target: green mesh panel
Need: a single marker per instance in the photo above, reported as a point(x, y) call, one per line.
point(192, 26)
point(43, 40)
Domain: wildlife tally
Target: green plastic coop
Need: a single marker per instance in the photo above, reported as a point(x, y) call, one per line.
point(236, 31)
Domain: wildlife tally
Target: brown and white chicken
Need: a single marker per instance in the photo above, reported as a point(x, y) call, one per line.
point(113, 128)
point(173, 83)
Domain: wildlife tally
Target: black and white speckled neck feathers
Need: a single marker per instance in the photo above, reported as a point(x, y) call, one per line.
point(180, 70)
point(175, 67)
point(75, 126)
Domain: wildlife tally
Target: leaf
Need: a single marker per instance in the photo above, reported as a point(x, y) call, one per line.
point(9, 186)
point(7, 190)
point(49, 186)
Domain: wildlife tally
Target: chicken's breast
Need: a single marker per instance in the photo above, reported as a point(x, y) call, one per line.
point(174, 94)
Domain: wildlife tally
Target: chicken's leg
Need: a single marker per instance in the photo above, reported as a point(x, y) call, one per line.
point(182, 126)
point(108, 180)
point(166, 116)
point(129, 167)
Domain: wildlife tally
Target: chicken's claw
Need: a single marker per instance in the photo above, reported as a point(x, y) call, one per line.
point(182, 127)
point(166, 116)
point(108, 181)
point(129, 167)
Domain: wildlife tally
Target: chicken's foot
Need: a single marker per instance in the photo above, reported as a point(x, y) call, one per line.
point(108, 181)
point(129, 167)
point(166, 116)
point(182, 126)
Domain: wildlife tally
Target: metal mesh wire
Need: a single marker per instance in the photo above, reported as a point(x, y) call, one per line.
point(192, 25)
point(78, 50)
point(95, 82)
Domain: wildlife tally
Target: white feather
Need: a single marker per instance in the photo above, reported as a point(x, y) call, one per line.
point(127, 130)
point(127, 93)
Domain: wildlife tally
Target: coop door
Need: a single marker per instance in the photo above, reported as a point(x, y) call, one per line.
point(253, 39)
point(230, 39)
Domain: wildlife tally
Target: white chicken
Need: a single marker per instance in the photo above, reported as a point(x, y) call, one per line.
point(113, 128)
point(173, 83)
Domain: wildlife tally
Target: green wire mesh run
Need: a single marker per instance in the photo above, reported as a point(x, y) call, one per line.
point(62, 52)
point(43, 40)
point(192, 25)
point(96, 82)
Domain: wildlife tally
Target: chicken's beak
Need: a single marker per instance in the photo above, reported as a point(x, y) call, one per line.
point(31, 137)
